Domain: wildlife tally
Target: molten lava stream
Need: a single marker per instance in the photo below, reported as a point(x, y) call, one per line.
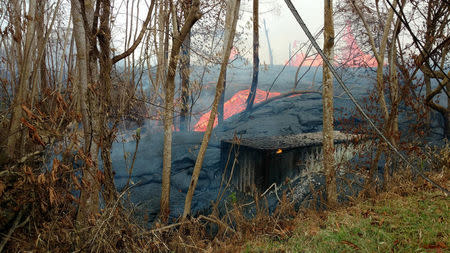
point(235, 104)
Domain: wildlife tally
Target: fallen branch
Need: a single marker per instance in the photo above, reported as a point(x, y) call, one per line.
point(26, 158)
point(167, 227)
point(217, 221)
point(274, 185)
point(13, 228)
point(130, 170)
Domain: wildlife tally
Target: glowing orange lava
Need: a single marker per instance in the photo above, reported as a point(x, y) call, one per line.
point(351, 56)
point(279, 151)
point(235, 104)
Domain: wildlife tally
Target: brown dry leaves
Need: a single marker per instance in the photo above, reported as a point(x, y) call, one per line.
point(2, 187)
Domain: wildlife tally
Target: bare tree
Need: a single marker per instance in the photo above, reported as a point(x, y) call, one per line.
point(391, 126)
point(436, 45)
point(252, 93)
point(40, 30)
point(177, 40)
point(91, 28)
point(221, 106)
point(185, 72)
point(25, 68)
point(327, 96)
point(230, 29)
point(89, 201)
point(268, 44)
point(379, 50)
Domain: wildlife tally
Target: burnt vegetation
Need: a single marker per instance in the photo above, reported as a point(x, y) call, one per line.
point(80, 79)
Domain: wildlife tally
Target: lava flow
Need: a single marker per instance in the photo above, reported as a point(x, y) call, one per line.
point(351, 56)
point(236, 104)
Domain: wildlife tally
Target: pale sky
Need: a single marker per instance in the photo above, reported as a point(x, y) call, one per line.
point(282, 26)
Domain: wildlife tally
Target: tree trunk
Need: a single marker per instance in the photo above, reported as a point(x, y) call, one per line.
point(444, 111)
point(268, 44)
point(230, 28)
point(290, 55)
point(104, 39)
point(327, 91)
point(447, 115)
point(379, 55)
point(447, 119)
point(428, 45)
point(185, 71)
point(220, 117)
point(193, 16)
point(40, 34)
point(20, 94)
point(161, 32)
point(427, 81)
point(89, 199)
point(252, 93)
point(392, 122)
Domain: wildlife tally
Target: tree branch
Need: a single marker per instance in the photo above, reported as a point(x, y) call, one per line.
point(133, 47)
point(369, 33)
point(429, 101)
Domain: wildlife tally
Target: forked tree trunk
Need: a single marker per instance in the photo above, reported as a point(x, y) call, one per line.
point(89, 198)
point(104, 39)
point(392, 122)
point(161, 34)
point(379, 53)
point(20, 94)
point(252, 93)
point(379, 56)
point(221, 107)
point(435, 28)
point(447, 118)
point(178, 38)
point(185, 61)
point(40, 34)
point(327, 97)
point(268, 44)
point(427, 81)
point(444, 111)
point(230, 28)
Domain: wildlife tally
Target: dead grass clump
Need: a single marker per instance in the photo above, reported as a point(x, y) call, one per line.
point(228, 233)
point(39, 214)
point(434, 163)
point(32, 201)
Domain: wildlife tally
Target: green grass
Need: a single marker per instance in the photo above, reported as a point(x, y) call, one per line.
point(415, 223)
